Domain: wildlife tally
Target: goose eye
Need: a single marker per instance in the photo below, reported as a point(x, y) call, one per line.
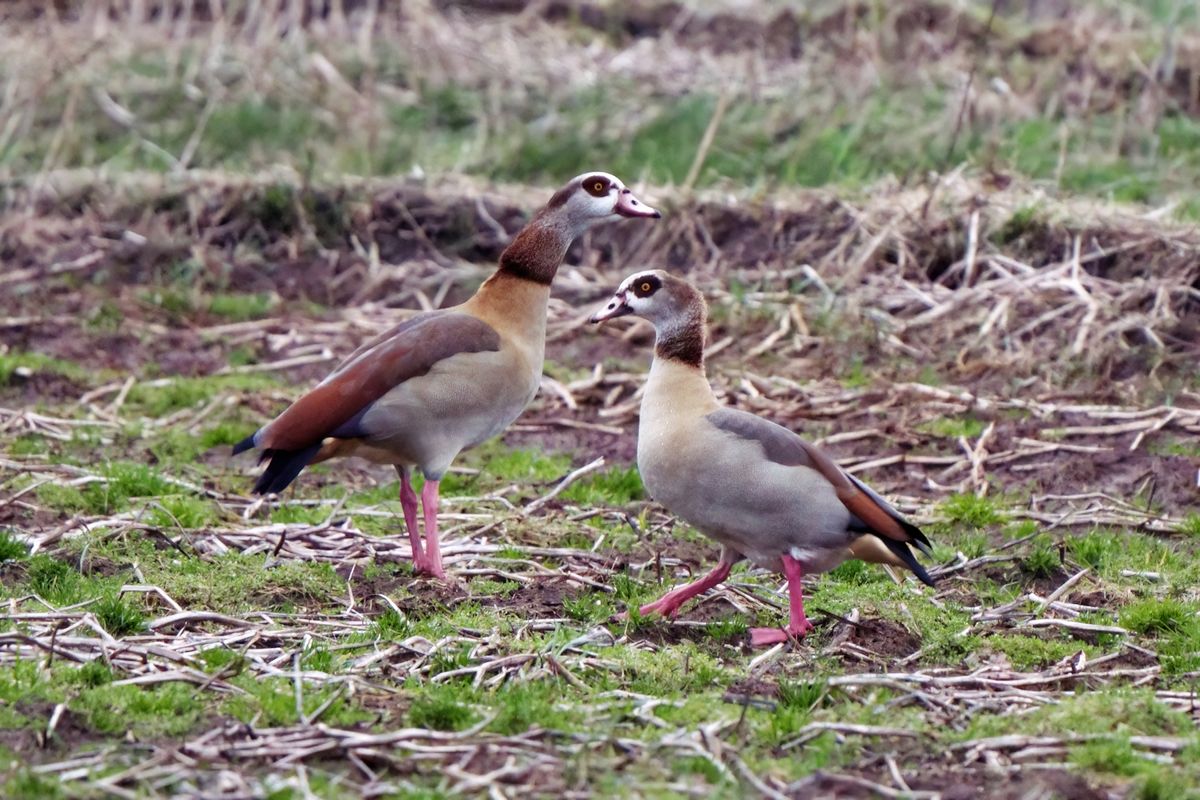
point(598, 187)
point(646, 287)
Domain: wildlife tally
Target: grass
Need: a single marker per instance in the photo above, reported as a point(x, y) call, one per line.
point(1042, 560)
point(242, 306)
point(616, 486)
point(119, 617)
point(967, 509)
point(689, 677)
point(119, 484)
point(1191, 525)
point(14, 364)
point(967, 427)
point(158, 398)
point(443, 708)
point(10, 548)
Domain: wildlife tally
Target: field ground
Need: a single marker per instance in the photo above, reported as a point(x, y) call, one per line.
point(989, 310)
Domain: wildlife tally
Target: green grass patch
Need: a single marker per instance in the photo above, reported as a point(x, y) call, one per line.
point(1158, 617)
point(953, 428)
point(25, 784)
point(1032, 652)
point(591, 607)
point(11, 548)
point(444, 707)
point(391, 624)
point(165, 396)
point(29, 445)
point(221, 660)
point(855, 573)
point(228, 583)
point(272, 702)
point(119, 616)
point(291, 513)
point(1190, 526)
point(171, 709)
point(1043, 559)
point(121, 482)
point(967, 509)
point(240, 307)
point(182, 511)
point(526, 465)
point(54, 581)
point(93, 673)
point(616, 486)
point(10, 363)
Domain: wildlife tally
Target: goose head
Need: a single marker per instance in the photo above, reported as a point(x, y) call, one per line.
point(596, 197)
point(657, 296)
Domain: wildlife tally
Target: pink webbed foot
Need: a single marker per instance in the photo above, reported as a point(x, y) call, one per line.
point(765, 637)
point(664, 609)
point(798, 624)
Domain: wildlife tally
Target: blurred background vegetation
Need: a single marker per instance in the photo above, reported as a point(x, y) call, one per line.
point(1099, 98)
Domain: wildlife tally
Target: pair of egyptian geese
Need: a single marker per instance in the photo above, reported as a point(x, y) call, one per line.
point(446, 380)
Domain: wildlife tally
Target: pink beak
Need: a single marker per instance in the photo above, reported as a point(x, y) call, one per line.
point(630, 206)
point(617, 307)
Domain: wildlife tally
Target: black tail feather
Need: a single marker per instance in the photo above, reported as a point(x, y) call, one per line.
point(919, 539)
point(245, 444)
point(904, 554)
point(284, 467)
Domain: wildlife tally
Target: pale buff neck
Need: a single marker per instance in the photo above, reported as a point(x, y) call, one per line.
point(513, 300)
point(513, 306)
point(675, 390)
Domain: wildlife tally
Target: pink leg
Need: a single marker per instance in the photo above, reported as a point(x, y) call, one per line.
point(408, 501)
point(431, 564)
point(669, 604)
point(798, 625)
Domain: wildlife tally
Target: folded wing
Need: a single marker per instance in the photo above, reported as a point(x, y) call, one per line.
point(332, 408)
point(870, 513)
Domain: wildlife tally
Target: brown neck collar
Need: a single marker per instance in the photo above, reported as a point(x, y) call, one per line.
point(537, 251)
point(683, 341)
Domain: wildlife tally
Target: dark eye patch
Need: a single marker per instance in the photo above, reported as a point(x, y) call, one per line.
point(646, 285)
point(596, 185)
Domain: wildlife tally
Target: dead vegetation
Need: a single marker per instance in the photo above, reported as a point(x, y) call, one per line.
point(1020, 284)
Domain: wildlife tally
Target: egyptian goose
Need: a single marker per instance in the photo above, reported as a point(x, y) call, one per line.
point(444, 380)
point(753, 486)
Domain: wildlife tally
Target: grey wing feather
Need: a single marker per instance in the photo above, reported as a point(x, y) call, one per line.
point(778, 443)
point(409, 350)
point(412, 322)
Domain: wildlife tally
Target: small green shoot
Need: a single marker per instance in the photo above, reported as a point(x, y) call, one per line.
point(118, 616)
point(11, 548)
point(977, 512)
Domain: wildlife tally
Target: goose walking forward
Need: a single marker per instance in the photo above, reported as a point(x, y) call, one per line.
point(445, 380)
point(753, 486)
